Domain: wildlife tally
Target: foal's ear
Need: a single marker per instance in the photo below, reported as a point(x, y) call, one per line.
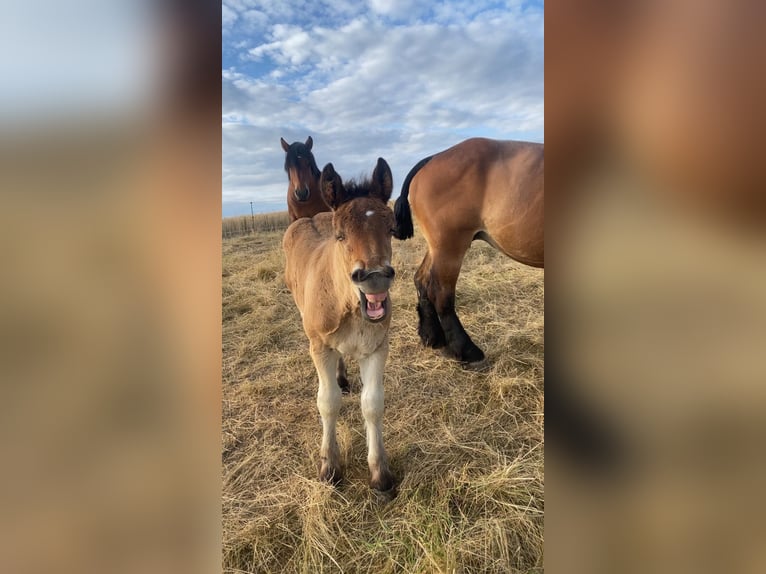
point(285, 145)
point(309, 143)
point(331, 186)
point(382, 181)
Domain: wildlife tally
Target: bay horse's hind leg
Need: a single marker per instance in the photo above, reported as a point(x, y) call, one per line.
point(429, 328)
point(445, 268)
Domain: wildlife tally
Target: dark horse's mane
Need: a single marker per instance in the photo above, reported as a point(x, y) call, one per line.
point(291, 158)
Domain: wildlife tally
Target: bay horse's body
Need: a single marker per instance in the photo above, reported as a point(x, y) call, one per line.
point(478, 189)
point(339, 272)
point(303, 197)
point(305, 200)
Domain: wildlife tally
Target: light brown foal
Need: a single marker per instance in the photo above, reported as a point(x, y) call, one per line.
point(339, 272)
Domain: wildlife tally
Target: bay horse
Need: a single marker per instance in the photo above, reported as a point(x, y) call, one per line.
point(305, 200)
point(303, 197)
point(339, 272)
point(478, 189)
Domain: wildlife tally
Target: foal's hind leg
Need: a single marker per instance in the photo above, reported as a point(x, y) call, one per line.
point(445, 269)
point(429, 328)
point(342, 376)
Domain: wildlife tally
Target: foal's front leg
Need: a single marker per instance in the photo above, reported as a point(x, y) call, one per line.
point(371, 368)
point(328, 402)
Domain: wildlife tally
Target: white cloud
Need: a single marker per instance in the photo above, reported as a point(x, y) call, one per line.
point(228, 17)
point(364, 88)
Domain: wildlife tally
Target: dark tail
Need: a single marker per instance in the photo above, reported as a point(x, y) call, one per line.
point(402, 212)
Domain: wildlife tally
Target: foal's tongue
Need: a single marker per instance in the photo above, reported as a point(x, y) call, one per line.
point(375, 304)
point(376, 297)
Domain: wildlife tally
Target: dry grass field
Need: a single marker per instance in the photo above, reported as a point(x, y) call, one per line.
point(466, 447)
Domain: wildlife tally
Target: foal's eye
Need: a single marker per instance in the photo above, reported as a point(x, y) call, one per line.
point(340, 237)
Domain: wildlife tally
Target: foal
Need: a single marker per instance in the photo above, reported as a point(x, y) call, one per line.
point(339, 272)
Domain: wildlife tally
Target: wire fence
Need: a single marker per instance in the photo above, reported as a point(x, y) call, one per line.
point(247, 224)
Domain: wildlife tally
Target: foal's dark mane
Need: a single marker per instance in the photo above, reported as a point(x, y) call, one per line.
point(357, 188)
point(291, 158)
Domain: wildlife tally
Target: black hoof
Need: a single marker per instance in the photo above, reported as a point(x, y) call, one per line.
point(477, 366)
point(471, 354)
point(345, 386)
point(467, 355)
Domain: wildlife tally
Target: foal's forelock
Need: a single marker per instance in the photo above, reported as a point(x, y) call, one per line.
point(366, 226)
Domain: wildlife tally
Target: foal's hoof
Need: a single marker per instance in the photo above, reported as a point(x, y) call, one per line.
point(345, 386)
point(331, 475)
point(382, 481)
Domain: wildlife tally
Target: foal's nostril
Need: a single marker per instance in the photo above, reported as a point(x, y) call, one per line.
point(358, 275)
point(388, 271)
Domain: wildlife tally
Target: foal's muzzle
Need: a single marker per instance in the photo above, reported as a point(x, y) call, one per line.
point(373, 288)
point(385, 273)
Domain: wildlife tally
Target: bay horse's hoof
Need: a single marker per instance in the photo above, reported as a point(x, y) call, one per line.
point(477, 366)
point(469, 354)
point(345, 386)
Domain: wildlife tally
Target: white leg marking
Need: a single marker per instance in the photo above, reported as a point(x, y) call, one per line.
point(328, 403)
point(371, 370)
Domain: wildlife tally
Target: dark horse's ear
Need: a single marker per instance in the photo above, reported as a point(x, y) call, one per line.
point(331, 186)
point(285, 145)
point(382, 181)
point(309, 143)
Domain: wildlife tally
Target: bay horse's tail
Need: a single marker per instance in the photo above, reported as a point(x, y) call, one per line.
point(402, 213)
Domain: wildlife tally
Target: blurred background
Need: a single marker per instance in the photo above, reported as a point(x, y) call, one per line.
point(656, 283)
point(110, 181)
point(110, 294)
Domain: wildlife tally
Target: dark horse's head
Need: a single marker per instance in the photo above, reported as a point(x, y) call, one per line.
point(301, 168)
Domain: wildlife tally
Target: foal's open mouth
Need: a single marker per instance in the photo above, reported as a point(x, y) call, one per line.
point(375, 306)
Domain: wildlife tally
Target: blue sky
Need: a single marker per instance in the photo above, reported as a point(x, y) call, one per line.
point(398, 79)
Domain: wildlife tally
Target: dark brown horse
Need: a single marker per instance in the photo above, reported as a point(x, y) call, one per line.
point(303, 197)
point(479, 189)
point(305, 200)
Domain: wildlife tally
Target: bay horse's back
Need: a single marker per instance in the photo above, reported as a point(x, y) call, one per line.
point(480, 189)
